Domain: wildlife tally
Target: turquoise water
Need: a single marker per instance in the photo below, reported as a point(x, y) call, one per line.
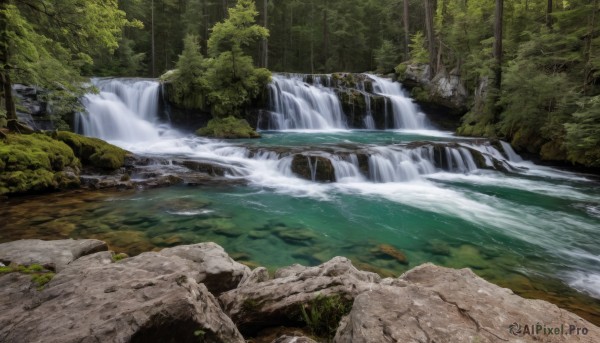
point(536, 232)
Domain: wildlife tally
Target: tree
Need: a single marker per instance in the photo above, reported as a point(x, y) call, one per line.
point(188, 83)
point(233, 79)
point(497, 68)
point(37, 44)
point(405, 19)
point(430, 35)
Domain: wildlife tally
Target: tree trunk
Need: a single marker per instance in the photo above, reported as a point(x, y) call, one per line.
point(312, 39)
point(265, 41)
point(430, 36)
point(498, 55)
point(5, 82)
point(406, 31)
point(549, 15)
point(325, 38)
point(153, 45)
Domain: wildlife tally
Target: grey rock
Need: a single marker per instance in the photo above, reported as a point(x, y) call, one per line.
point(277, 301)
point(54, 255)
point(258, 275)
point(293, 339)
point(215, 268)
point(438, 304)
point(147, 298)
point(417, 74)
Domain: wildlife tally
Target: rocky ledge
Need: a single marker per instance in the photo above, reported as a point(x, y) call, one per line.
point(79, 291)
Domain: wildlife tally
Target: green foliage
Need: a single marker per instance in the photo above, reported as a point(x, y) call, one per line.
point(228, 128)
point(231, 76)
point(583, 133)
point(93, 151)
point(188, 86)
point(323, 314)
point(386, 57)
point(418, 49)
point(228, 80)
point(118, 257)
point(35, 163)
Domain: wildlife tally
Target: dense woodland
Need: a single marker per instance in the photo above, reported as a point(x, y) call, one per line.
point(538, 61)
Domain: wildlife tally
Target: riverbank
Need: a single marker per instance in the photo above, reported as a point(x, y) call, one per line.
point(197, 292)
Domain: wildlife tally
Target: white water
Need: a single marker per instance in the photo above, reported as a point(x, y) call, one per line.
point(125, 113)
point(122, 111)
point(406, 114)
point(298, 105)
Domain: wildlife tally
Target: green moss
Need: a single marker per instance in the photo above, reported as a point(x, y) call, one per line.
point(93, 151)
point(228, 128)
point(401, 70)
point(118, 257)
point(39, 275)
point(36, 162)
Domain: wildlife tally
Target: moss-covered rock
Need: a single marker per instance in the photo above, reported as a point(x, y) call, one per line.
point(228, 128)
point(92, 151)
point(34, 163)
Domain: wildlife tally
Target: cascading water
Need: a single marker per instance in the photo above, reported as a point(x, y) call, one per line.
point(123, 110)
point(406, 114)
point(298, 105)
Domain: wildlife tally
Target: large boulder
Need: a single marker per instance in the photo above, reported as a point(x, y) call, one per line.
point(147, 298)
point(253, 306)
point(437, 304)
point(55, 255)
point(215, 268)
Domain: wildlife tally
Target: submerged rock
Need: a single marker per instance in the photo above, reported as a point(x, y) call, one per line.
point(388, 251)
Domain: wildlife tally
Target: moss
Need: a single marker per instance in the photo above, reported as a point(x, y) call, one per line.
point(33, 163)
point(40, 276)
point(228, 128)
point(401, 70)
point(93, 151)
point(119, 257)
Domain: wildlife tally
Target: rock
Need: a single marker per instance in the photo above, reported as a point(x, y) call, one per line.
point(447, 88)
point(388, 251)
point(277, 301)
point(147, 298)
point(315, 168)
point(215, 268)
point(258, 275)
point(212, 169)
point(55, 255)
point(293, 339)
point(416, 75)
point(446, 305)
point(19, 127)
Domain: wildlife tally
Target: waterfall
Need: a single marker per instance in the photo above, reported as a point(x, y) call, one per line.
point(298, 105)
point(406, 114)
point(510, 153)
point(123, 110)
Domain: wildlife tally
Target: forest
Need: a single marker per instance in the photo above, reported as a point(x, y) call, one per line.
point(538, 60)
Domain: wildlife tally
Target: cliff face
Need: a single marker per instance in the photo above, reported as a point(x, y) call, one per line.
point(198, 293)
